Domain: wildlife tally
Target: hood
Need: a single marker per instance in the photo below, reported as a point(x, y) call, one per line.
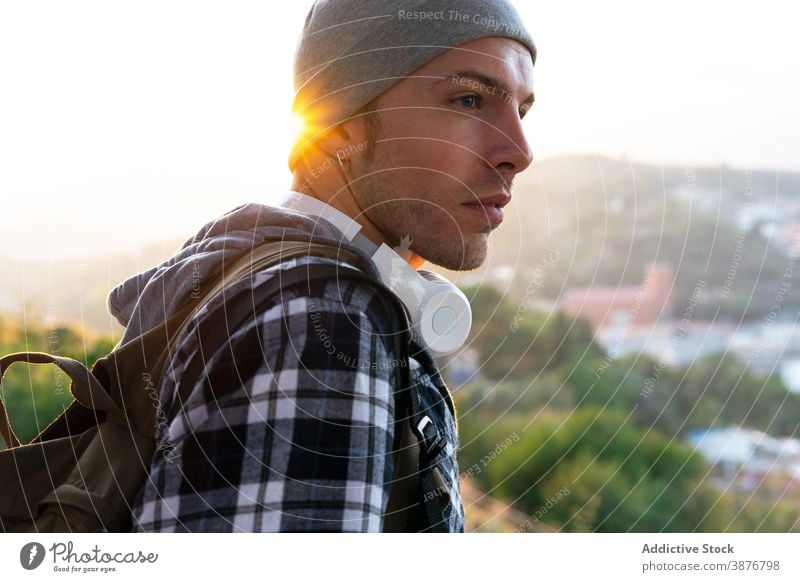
point(147, 299)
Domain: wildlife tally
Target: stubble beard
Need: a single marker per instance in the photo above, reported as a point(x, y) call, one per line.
point(402, 215)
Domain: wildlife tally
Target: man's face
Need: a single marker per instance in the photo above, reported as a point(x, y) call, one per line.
point(448, 144)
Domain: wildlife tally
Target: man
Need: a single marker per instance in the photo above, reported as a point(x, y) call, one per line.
point(412, 114)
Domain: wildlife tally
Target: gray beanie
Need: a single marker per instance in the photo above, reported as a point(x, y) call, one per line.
point(352, 51)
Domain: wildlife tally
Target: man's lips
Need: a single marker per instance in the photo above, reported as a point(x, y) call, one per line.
point(491, 207)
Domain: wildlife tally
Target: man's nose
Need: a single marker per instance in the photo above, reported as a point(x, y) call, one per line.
point(511, 153)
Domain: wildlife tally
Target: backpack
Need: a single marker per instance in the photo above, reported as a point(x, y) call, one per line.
point(84, 470)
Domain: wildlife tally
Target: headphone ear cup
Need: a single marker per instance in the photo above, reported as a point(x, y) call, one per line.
point(446, 315)
point(439, 311)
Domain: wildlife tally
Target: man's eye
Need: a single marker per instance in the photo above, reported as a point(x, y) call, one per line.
point(470, 101)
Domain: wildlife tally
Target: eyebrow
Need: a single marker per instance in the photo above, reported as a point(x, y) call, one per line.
point(481, 79)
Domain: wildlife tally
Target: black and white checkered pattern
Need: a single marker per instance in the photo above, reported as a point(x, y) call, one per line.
point(291, 426)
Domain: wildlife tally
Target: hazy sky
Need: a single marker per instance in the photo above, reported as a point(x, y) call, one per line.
point(137, 122)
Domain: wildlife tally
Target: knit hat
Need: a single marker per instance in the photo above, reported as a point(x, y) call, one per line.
point(352, 51)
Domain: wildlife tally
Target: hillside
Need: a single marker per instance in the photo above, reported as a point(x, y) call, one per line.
point(601, 219)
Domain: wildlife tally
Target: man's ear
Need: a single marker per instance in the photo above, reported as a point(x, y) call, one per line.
point(343, 135)
point(342, 132)
point(332, 141)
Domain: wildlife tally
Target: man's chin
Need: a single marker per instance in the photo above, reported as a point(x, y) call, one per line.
point(464, 258)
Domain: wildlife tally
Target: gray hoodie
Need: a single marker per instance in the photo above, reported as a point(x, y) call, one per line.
point(147, 299)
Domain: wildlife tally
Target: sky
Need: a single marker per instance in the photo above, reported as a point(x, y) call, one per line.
point(132, 123)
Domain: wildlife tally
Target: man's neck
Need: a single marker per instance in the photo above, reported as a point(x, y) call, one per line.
point(345, 202)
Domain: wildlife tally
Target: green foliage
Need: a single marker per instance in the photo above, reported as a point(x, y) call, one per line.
point(723, 388)
point(618, 477)
point(611, 432)
point(515, 339)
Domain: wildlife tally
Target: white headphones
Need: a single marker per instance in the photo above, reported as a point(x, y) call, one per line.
point(439, 311)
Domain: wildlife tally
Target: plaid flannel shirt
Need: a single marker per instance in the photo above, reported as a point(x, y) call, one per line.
point(291, 426)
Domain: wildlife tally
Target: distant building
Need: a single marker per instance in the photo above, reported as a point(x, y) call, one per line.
point(770, 349)
point(627, 306)
point(790, 374)
point(748, 459)
point(671, 343)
